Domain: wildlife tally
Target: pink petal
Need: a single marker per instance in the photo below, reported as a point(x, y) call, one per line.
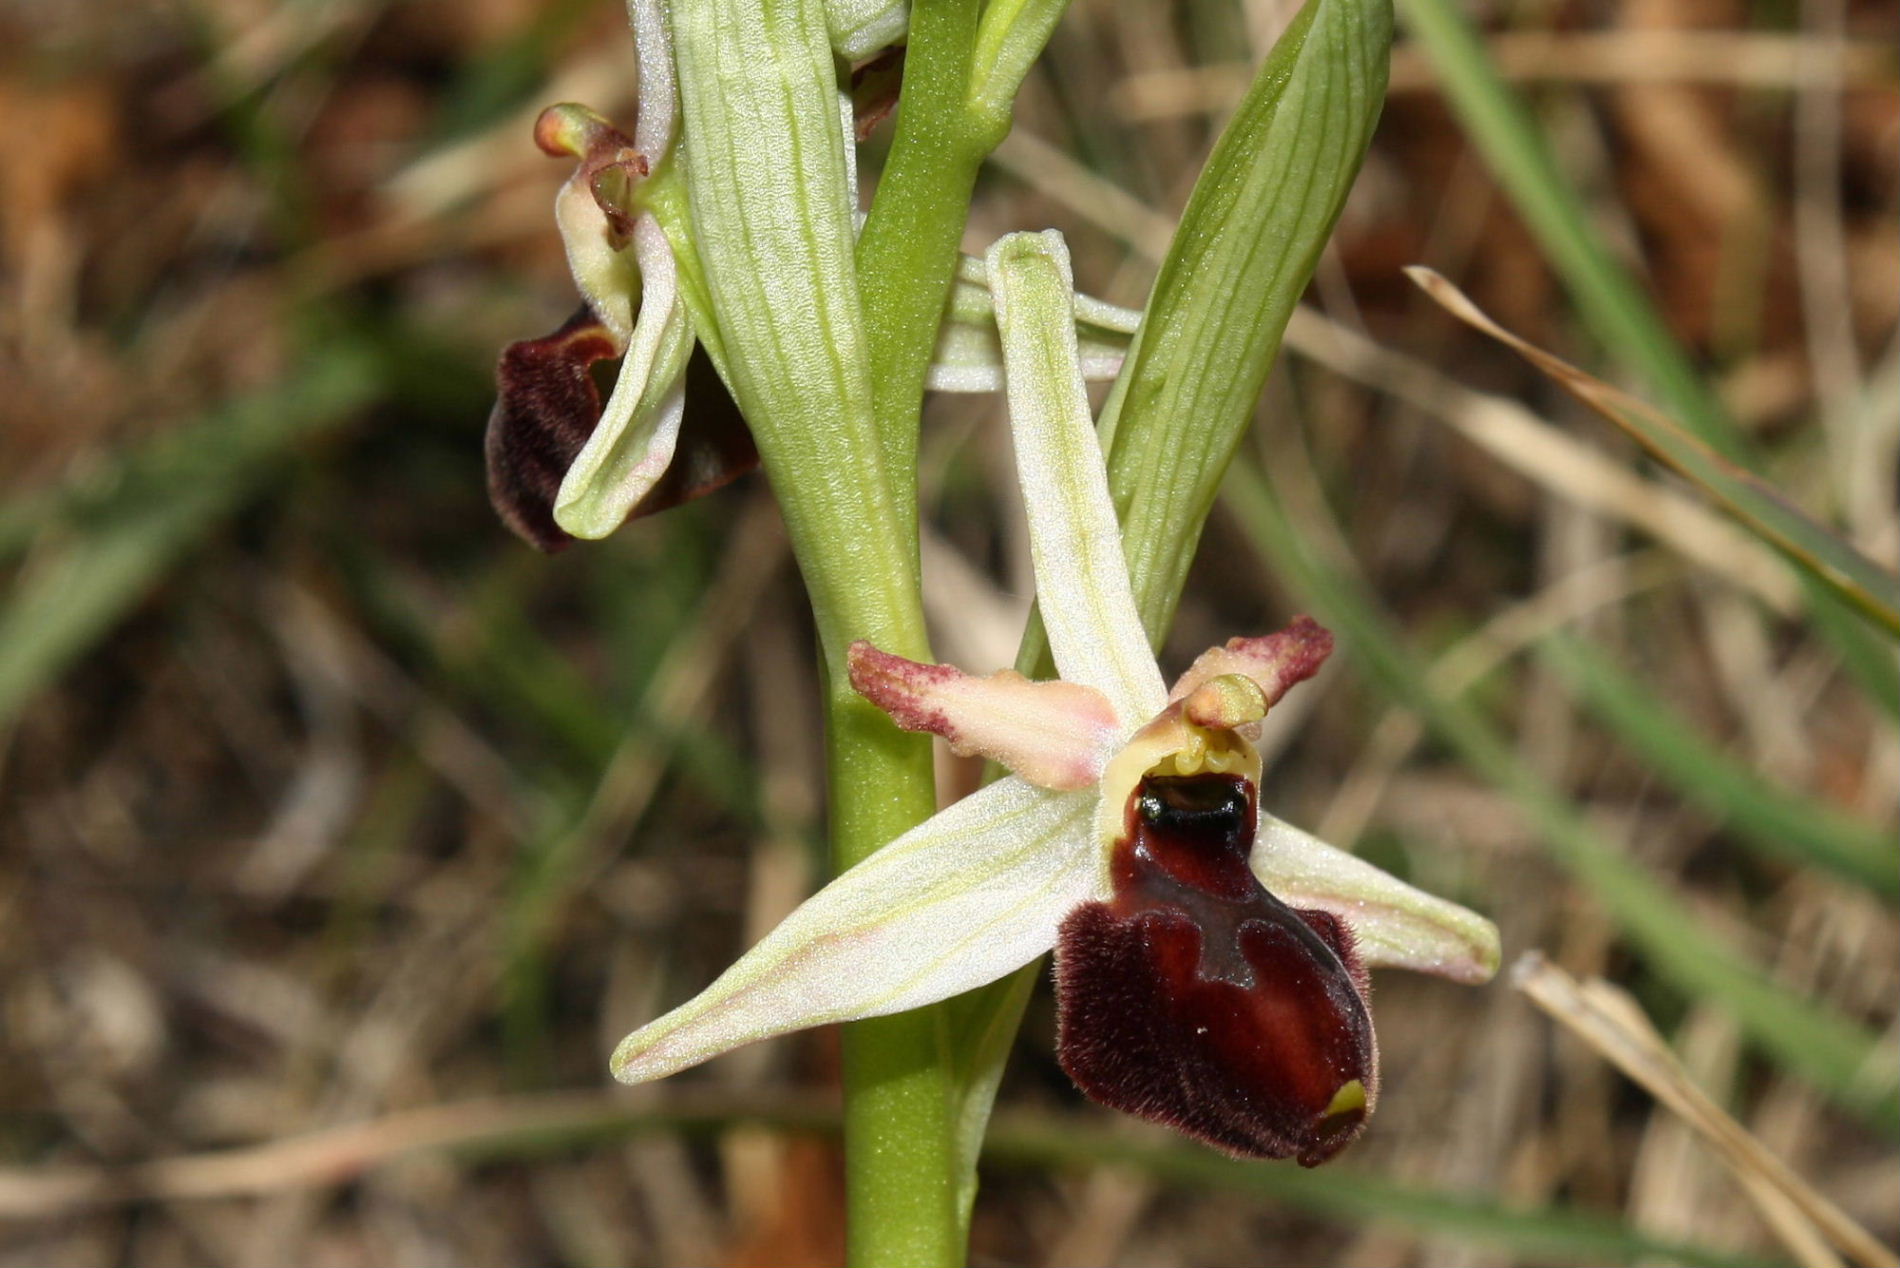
point(1277, 662)
point(1053, 734)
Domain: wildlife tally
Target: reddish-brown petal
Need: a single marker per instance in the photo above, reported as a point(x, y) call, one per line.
point(1196, 999)
point(1277, 661)
point(1054, 734)
point(875, 85)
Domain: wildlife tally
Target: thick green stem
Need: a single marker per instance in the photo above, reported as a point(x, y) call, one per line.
point(900, 1165)
point(771, 282)
point(829, 361)
point(907, 252)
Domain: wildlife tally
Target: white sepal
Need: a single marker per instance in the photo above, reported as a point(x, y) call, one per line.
point(969, 356)
point(859, 28)
point(1395, 925)
point(658, 95)
point(607, 278)
point(955, 903)
point(1082, 587)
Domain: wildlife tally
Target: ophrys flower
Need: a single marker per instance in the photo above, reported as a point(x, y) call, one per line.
point(561, 463)
point(1210, 957)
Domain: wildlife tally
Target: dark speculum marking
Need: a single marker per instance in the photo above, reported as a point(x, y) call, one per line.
point(547, 406)
point(1197, 999)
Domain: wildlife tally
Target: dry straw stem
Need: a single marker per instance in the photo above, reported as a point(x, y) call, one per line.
point(336, 1155)
point(1818, 551)
point(1606, 1018)
point(1543, 453)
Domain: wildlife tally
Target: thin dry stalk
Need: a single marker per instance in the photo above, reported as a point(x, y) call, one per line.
point(1605, 1017)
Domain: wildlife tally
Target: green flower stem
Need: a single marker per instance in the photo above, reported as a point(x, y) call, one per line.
point(902, 1173)
point(962, 67)
point(915, 1098)
point(907, 251)
point(775, 292)
point(901, 1176)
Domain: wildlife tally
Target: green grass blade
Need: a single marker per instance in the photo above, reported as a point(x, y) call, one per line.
point(1611, 303)
point(157, 504)
point(1785, 825)
point(1835, 1055)
point(1817, 552)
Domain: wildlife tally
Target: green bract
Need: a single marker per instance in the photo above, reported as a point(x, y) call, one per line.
point(1245, 249)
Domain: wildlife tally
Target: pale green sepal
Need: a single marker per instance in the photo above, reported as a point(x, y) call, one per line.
point(632, 445)
point(969, 358)
point(1241, 258)
point(1082, 584)
point(1393, 924)
point(607, 278)
point(763, 152)
point(658, 95)
point(860, 28)
point(956, 902)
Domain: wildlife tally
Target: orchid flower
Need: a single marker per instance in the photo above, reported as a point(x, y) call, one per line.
point(560, 464)
point(1210, 958)
point(563, 465)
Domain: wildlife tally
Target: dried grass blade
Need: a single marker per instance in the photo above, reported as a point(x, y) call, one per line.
point(1606, 1018)
point(1758, 506)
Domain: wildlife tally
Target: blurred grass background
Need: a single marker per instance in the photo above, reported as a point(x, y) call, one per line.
point(340, 830)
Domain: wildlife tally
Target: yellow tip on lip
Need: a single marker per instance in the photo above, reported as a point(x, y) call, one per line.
point(1349, 1099)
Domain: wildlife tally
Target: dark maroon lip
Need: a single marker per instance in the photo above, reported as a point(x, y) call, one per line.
point(547, 408)
point(1197, 999)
